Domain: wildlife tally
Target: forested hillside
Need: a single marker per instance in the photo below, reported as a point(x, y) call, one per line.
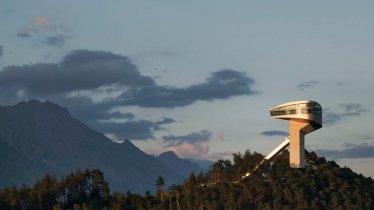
point(321, 185)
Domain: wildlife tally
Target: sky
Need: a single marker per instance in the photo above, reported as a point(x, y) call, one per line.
point(198, 77)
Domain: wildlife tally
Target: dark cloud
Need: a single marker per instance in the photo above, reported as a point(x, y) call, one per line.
point(351, 150)
point(1, 51)
point(84, 109)
point(28, 31)
point(23, 34)
point(192, 138)
point(96, 113)
point(42, 28)
point(58, 40)
point(306, 85)
point(98, 116)
point(352, 109)
point(133, 130)
point(222, 84)
point(81, 70)
point(89, 72)
point(332, 117)
point(274, 133)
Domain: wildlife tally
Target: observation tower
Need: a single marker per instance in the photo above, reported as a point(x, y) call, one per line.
point(304, 117)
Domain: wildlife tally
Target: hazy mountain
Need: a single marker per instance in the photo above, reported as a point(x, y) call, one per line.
point(181, 166)
point(38, 138)
point(204, 164)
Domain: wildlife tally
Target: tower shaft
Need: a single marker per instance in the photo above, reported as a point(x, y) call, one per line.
point(304, 117)
point(298, 129)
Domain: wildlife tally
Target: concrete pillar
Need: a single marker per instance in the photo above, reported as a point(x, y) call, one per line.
point(298, 129)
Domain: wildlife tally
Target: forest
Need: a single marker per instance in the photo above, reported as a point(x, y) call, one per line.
point(322, 184)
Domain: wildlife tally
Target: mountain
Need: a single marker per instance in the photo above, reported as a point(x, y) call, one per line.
point(205, 164)
point(180, 166)
point(41, 137)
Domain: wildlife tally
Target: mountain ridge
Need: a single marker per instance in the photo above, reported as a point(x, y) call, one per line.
point(181, 166)
point(42, 137)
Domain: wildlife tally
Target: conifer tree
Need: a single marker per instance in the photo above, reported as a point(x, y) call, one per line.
point(160, 184)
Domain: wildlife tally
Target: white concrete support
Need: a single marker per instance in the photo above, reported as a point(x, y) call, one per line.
point(298, 129)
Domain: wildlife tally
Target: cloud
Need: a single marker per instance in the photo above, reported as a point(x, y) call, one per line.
point(40, 21)
point(351, 150)
point(104, 68)
point(133, 130)
point(193, 145)
point(38, 25)
point(23, 34)
point(93, 84)
point(1, 51)
point(186, 150)
point(306, 84)
point(197, 151)
point(86, 110)
point(221, 84)
point(274, 133)
point(53, 34)
point(330, 118)
point(352, 109)
point(57, 40)
point(349, 110)
point(103, 118)
point(192, 138)
point(88, 114)
point(96, 67)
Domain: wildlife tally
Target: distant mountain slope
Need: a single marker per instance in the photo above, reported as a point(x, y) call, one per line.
point(205, 164)
point(181, 166)
point(38, 138)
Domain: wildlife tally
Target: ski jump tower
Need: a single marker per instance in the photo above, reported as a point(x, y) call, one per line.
point(304, 117)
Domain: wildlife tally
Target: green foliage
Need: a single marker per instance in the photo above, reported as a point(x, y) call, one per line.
point(321, 184)
point(79, 190)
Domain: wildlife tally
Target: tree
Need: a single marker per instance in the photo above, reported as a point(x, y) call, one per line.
point(176, 189)
point(321, 185)
point(160, 184)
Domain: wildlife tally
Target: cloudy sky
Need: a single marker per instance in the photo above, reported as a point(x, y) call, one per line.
point(197, 77)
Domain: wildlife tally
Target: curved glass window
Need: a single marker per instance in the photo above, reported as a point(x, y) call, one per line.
point(305, 108)
point(283, 111)
point(292, 111)
point(311, 111)
point(277, 112)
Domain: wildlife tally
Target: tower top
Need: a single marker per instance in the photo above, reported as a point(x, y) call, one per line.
point(304, 110)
